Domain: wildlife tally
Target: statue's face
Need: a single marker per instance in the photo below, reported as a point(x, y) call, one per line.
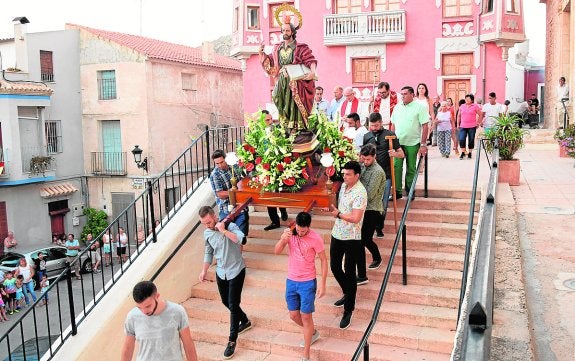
point(286, 32)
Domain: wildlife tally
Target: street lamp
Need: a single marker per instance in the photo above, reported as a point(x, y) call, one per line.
point(137, 152)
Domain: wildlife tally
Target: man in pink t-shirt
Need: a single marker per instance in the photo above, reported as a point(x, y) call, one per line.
point(301, 284)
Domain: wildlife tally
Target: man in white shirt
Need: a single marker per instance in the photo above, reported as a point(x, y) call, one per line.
point(562, 93)
point(335, 105)
point(491, 110)
point(355, 130)
point(319, 104)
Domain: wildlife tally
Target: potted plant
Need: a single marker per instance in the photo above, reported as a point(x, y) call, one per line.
point(509, 139)
point(39, 164)
point(566, 139)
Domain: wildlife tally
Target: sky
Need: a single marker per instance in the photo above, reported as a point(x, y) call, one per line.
point(187, 22)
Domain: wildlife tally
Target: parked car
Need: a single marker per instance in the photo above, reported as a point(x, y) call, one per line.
point(55, 261)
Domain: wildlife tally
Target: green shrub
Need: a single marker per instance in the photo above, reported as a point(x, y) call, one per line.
point(96, 224)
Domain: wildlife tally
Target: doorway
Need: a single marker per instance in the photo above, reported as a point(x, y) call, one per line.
point(456, 89)
point(57, 211)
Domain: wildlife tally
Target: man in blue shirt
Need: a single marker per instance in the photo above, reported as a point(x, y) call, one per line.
point(220, 180)
point(332, 111)
point(72, 247)
point(224, 245)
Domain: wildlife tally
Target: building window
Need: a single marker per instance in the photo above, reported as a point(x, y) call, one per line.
point(453, 8)
point(46, 66)
point(488, 6)
point(511, 6)
point(457, 64)
point(272, 10)
point(365, 70)
point(107, 84)
point(53, 136)
point(189, 81)
point(384, 5)
point(348, 6)
point(236, 20)
point(253, 16)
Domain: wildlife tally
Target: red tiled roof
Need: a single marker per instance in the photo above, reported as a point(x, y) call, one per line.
point(15, 87)
point(162, 50)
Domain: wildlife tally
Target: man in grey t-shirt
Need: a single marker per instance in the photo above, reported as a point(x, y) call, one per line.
point(158, 325)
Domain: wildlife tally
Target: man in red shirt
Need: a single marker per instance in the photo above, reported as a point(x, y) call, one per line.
point(301, 284)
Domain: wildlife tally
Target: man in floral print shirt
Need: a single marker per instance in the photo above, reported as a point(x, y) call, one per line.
point(346, 237)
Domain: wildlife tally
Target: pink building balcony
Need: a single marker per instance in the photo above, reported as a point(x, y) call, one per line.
point(364, 28)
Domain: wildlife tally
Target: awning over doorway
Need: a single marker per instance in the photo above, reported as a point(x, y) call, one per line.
point(57, 190)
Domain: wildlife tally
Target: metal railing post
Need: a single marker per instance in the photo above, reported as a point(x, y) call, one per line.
point(366, 352)
point(404, 253)
point(71, 299)
point(152, 213)
point(208, 153)
point(425, 177)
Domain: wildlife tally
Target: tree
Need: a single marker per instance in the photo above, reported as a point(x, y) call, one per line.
point(96, 224)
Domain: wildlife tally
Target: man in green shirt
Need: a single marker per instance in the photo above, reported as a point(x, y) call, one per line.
point(409, 121)
point(72, 246)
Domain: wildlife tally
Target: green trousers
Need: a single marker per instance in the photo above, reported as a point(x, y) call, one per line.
point(410, 152)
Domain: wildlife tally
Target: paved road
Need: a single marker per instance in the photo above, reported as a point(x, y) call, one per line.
point(54, 318)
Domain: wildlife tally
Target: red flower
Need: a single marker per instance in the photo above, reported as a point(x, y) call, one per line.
point(250, 167)
point(246, 146)
point(287, 160)
point(341, 153)
point(304, 174)
point(241, 163)
point(295, 155)
point(349, 140)
point(266, 166)
point(289, 181)
point(258, 160)
point(326, 150)
point(280, 167)
point(330, 171)
point(341, 129)
point(252, 150)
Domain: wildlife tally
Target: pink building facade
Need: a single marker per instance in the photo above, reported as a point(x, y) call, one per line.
point(454, 46)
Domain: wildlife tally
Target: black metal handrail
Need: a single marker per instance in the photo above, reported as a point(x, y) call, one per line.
point(475, 341)
point(401, 234)
point(163, 197)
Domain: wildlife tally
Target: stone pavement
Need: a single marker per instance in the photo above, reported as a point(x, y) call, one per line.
point(543, 258)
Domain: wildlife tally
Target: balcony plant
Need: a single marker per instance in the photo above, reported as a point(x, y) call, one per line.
point(39, 164)
point(566, 139)
point(509, 139)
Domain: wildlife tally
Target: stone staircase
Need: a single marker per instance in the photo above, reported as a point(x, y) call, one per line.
point(416, 322)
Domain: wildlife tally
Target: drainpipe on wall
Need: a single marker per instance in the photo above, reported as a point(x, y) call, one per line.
point(482, 50)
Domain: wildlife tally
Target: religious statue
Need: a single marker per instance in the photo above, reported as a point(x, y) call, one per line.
point(293, 67)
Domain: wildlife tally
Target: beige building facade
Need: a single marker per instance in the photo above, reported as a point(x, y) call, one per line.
point(559, 59)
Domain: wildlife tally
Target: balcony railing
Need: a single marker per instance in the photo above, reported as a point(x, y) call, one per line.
point(364, 28)
point(109, 163)
point(47, 77)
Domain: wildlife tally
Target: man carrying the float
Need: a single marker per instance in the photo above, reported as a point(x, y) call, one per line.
point(294, 91)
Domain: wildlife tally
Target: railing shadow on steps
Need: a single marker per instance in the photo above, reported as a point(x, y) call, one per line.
point(475, 313)
point(363, 346)
point(40, 331)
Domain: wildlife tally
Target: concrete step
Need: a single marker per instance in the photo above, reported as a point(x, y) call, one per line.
point(417, 315)
point(271, 337)
point(447, 230)
point(411, 294)
point(414, 242)
point(423, 259)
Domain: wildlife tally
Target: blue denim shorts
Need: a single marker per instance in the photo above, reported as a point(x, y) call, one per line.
point(300, 296)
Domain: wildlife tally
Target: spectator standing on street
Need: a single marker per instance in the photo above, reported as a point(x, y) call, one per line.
point(159, 326)
point(3, 300)
point(10, 242)
point(304, 245)
point(468, 118)
point(106, 239)
point(41, 265)
point(95, 257)
point(10, 286)
point(27, 272)
point(346, 238)
point(122, 245)
point(72, 247)
point(225, 246)
point(44, 284)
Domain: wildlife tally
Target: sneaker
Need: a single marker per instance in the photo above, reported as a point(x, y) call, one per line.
point(374, 265)
point(244, 326)
point(11, 312)
point(362, 281)
point(345, 320)
point(314, 338)
point(340, 302)
point(469, 155)
point(230, 349)
point(17, 310)
point(271, 226)
point(379, 234)
point(462, 155)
